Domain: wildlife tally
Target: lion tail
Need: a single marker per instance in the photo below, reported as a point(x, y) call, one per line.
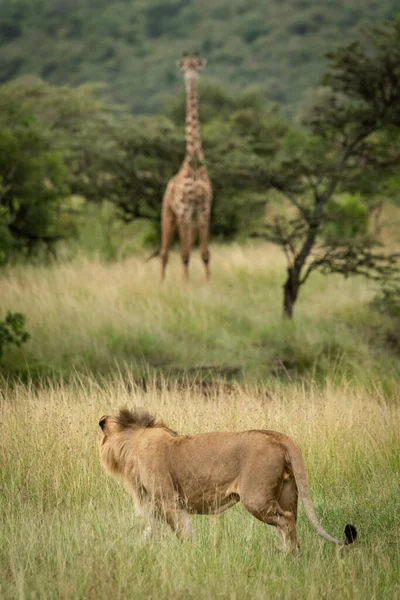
point(300, 475)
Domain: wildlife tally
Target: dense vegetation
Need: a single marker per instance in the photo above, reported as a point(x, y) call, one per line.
point(132, 45)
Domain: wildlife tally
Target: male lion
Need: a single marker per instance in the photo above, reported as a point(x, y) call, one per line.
point(172, 475)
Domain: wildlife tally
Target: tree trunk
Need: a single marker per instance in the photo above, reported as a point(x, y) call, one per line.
point(290, 293)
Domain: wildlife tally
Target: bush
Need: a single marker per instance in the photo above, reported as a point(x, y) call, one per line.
point(388, 302)
point(12, 330)
point(347, 216)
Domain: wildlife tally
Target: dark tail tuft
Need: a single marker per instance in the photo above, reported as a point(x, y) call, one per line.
point(154, 255)
point(350, 533)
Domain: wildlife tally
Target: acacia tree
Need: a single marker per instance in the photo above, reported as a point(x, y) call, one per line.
point(344, 144)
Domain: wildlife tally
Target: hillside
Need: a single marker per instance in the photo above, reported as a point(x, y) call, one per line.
point(132, 45)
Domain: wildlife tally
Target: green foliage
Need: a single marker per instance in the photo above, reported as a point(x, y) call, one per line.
point(217, 102)
point(33, 180)
point(57, 141)
point(12, 331)
point(346, 217)
point(132, 46)
point(132, 166)
point(369, 69)
point(342, 141)
point(105, 155)
point(388, 303)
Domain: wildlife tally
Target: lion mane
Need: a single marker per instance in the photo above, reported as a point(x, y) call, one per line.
point(137, 419)
point(172, 476)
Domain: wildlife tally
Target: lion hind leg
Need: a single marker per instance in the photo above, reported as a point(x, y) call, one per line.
point(271, 512)
point(288, 501)
point(288, 497)
point(287, 532)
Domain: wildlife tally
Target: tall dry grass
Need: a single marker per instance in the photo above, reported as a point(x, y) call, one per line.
point(68, 530)
point(93, 315)
point(97, 329)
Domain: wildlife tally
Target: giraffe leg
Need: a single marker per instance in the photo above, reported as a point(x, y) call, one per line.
point(168, 224)
point(185, 232)
point(194, 232)
point(204, 232)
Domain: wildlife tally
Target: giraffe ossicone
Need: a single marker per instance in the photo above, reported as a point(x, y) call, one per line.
point(188, 196)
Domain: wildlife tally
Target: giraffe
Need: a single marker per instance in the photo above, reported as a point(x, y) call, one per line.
point(188, 195)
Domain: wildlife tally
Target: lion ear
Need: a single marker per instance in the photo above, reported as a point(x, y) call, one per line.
point(102, 422)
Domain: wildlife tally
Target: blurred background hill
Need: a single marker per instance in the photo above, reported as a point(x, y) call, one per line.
point(132, 45)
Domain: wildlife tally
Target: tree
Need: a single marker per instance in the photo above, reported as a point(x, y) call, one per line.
point(76, 123)
point(131, 165)
point(342, 145)
point(45, 133)
point(32, 181)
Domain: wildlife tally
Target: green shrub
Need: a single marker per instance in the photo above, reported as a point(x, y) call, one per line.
point(347, 217)
point(12, 330)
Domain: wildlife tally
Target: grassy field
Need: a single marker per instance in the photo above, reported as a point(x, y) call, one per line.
point(94, 316)
point(69, 530)
point(203, 357)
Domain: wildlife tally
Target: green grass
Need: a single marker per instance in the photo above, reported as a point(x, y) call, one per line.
point(69, 530)
point(204, 357)
point(94, 316)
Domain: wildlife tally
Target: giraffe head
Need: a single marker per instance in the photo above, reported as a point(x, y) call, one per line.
point(191, 65)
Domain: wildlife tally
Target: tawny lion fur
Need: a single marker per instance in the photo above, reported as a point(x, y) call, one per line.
point(171, 475)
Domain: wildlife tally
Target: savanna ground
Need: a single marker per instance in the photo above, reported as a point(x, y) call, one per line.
point(216, 357)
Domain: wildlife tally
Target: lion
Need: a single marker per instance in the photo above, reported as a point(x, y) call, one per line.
point(172, 476)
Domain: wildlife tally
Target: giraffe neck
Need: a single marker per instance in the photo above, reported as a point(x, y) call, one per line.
point(193, 141)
